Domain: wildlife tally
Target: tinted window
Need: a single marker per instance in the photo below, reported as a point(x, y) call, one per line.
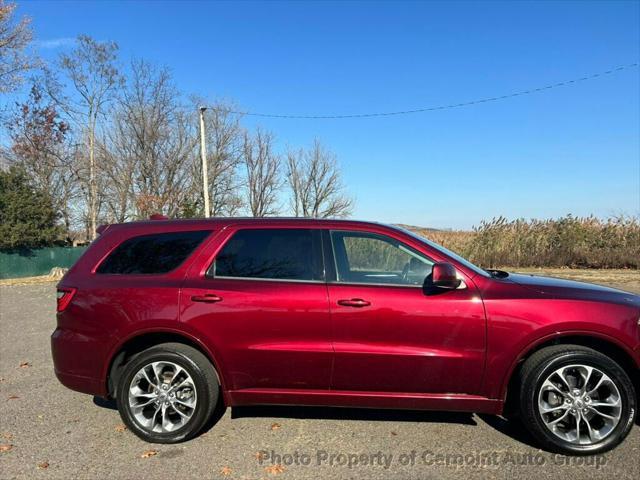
point(371, 258)
point(158, 253)
point(285, 254)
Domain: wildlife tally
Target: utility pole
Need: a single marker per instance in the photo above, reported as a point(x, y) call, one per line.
point(205, 175)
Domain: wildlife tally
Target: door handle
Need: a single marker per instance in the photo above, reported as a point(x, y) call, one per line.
point(354, 302)
point(206, 298)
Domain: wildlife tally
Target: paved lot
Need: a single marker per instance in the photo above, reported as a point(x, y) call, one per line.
point(56, 433)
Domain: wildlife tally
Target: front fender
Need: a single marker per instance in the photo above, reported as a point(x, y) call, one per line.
point(517, 327)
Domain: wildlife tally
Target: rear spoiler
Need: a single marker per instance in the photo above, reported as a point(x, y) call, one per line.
point(102, 228)
point(156, 216)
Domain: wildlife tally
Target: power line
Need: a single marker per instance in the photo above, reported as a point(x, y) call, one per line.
point(440, 107)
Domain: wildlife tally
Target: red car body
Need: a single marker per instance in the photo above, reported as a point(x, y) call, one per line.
point(304, 343)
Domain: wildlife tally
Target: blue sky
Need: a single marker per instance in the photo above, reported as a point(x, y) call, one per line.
point(568, 150)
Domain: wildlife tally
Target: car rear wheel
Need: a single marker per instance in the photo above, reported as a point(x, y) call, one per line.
point(576, 400)
point(167, 393)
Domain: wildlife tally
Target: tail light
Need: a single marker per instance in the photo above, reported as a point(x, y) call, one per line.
point(65, 295)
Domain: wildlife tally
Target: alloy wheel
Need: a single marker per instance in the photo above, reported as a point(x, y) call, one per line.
point(580, 404)
point(162, 397)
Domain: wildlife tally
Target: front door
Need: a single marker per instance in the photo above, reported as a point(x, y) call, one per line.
point(262, 306)
point(389, 334)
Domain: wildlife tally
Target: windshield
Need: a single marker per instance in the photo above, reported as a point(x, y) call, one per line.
point(446, 251)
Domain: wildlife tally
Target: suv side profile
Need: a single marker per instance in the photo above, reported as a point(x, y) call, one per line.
point(170, 317)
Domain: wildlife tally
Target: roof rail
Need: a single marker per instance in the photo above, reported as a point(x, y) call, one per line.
point(158, 216)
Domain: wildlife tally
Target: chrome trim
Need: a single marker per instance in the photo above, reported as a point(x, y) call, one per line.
point(254, 279)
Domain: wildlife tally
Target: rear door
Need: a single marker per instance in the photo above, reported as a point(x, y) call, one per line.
point(260, 300)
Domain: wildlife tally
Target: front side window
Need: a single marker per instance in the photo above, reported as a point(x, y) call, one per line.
point(377, 259)
point(152, 254)
point(272, 254)
point(445, 251)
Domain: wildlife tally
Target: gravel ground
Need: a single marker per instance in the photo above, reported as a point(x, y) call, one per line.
point(47, 431)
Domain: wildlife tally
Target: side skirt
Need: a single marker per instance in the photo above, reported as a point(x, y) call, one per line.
point(337, 398)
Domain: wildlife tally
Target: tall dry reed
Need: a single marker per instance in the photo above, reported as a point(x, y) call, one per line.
point(585, 242)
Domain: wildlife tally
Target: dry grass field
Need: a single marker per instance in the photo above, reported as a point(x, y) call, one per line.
point(569, 241)
point(28, 280)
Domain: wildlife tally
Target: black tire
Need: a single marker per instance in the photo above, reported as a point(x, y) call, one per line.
point(204, 378)
point(541, 364)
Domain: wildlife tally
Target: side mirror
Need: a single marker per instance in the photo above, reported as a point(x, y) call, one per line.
point(443, 275)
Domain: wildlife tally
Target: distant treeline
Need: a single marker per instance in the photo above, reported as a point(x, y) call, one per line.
point(106, 141)
point(569, 241)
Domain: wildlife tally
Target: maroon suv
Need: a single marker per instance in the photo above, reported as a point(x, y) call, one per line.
point(172, 317)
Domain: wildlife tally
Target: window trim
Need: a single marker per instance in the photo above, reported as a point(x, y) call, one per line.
point(118, 244)
point(319, 253)
point(272, 280)
point(364, 233)
point(387, 285)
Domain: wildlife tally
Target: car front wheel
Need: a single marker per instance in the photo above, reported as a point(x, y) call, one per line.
point(575, 400)
point(167, 393)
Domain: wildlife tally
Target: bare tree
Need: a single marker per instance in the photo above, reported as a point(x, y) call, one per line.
point(263, 173)
point(119, 170)
point(149, 148)
point(91, 69)
point(316, 187)
point(14, 40)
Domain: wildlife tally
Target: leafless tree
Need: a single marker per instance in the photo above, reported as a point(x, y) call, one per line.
point(119, 171)
point(149, 147)
point(94, 77)
point(14, 40)
point(263, 180)
point(316, 187)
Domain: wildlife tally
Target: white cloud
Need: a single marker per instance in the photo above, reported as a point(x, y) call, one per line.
point(56, 42)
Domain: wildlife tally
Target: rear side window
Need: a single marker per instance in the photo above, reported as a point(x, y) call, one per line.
point(277, 254)
point(149, 254)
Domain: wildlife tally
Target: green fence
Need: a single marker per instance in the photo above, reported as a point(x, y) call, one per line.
point(30, 263)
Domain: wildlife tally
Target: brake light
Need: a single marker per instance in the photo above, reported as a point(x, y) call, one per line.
point(65, 295)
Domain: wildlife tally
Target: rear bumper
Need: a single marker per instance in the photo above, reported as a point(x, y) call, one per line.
point(88, 385)
point(78, 361)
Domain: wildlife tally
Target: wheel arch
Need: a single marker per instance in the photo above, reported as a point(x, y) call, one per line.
point(604, 345)
point(141, 341)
